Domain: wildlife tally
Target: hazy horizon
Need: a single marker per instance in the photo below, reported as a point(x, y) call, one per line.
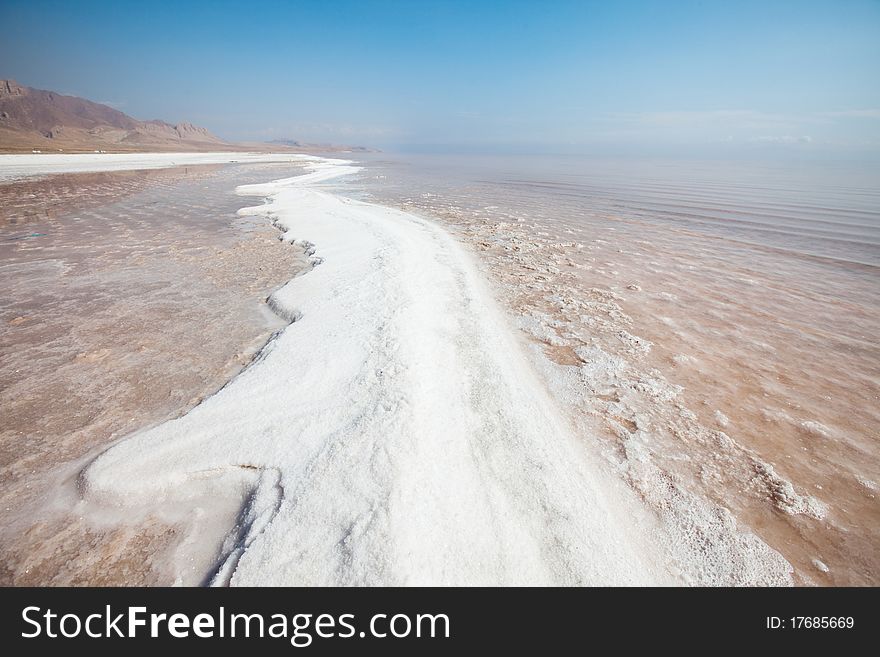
point(648, 78)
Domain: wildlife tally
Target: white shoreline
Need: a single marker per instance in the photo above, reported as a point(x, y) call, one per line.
point(394, 434)
point(399, 432)
point(17, 166)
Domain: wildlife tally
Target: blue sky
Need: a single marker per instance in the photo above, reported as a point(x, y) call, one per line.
point(614, 76)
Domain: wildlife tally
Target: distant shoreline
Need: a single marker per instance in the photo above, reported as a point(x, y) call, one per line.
point(24, 165)
point(226, 148)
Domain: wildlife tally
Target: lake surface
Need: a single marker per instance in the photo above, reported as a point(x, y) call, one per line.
point(713, 325)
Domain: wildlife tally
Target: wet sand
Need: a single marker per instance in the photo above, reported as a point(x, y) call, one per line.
point(128, 297)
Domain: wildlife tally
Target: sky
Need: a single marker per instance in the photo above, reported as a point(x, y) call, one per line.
point(635, 76)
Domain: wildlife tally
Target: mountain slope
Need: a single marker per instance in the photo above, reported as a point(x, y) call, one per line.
point(45, 120)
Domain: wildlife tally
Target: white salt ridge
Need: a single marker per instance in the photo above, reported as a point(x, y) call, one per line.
point(394, 433)
point(820, 566)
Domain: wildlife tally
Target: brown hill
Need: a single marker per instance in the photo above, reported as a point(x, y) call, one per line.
point(48, 121)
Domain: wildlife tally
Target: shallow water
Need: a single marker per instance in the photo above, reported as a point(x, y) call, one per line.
point(710, 329)
point(713, 325)
point(128, 297)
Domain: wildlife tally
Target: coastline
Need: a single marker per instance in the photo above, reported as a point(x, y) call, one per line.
point(392, 433)
point(20, 166)
point(496, 471)
point(704, 368)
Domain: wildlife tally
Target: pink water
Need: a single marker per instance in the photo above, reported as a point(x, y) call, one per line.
point(713, 325)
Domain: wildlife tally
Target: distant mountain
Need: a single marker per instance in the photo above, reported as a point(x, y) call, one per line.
point(35, 119)
point(45, 120)
point(293, 143)
point(287, 142)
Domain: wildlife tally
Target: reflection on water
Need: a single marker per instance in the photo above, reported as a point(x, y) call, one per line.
point(715, 324)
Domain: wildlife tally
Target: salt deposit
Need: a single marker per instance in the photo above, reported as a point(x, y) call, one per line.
point(394, 433)
point(16, 166)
